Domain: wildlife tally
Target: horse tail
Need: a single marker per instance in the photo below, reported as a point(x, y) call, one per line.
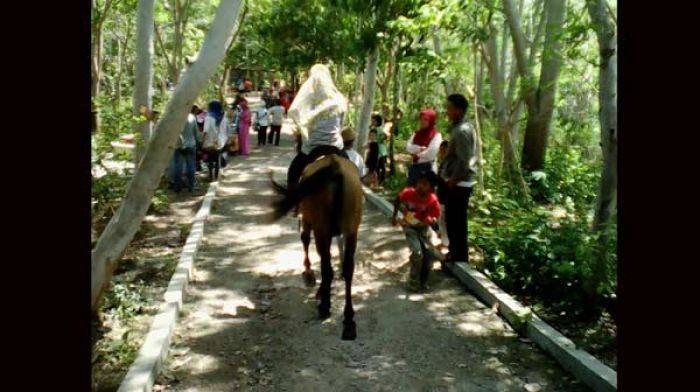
point(306, 187)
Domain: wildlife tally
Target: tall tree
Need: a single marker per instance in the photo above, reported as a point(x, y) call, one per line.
point(100, 11)
point(143, 79)
point(121, 228)
point(396, 96)
point(607, 96)
point(363, 122)
point(180, 10)
point(539, 96)
point(437, 47)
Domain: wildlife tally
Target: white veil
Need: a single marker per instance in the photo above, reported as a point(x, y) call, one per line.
point(318, 97)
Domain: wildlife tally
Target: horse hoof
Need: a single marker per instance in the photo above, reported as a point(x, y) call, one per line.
point(349, 331)
point(309, 278)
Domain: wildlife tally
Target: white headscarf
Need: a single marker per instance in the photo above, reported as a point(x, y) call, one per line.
point(317, 98)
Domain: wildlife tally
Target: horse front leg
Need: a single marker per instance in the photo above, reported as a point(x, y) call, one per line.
point(323, 247)
point(349, 326)
point(308, 274)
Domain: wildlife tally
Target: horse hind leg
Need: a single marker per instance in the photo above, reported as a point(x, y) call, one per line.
point(308, 274)
point(349, 326)
point(323, 247)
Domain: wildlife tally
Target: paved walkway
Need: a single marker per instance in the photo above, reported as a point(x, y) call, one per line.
point(249, 323)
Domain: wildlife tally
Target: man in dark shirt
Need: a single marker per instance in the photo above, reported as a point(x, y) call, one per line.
point(458, 171)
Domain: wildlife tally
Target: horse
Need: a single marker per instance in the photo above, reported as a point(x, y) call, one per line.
point(330, 200)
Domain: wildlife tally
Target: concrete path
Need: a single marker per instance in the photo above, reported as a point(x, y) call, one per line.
point(249, 323)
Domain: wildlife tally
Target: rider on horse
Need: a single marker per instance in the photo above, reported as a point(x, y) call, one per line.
point(318, 111)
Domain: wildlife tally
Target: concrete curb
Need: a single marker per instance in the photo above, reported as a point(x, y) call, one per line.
point(143, 372)
point(585, 367)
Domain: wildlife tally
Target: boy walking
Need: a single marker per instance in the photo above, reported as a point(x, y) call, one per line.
point(421, 209)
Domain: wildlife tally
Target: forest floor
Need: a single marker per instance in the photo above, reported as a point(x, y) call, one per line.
point(250, 323)
point(139, 283)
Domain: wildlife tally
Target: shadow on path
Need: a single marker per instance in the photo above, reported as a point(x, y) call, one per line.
point(249, 322)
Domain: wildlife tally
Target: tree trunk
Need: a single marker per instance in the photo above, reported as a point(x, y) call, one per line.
point(96, 60)
point(118, 79)
point(477, 124)
point(496, 74)
point(503, 119)
point(359, 75)
point(363, 123)
point(540, 100)
point(125, 222)
point(143, 79)
point(395, 108)
point(541, 108)
point(384, 88)
point(224, 82)
point(607, 96)
point(96, 74)
point(437, 47)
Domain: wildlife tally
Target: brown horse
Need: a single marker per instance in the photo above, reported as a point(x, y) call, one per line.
point(329, 195)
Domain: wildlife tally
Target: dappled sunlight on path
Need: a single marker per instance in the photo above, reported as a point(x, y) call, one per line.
point(250, 323)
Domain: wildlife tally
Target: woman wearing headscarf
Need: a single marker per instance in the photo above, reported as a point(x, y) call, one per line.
point(213, 136)
point(243, 127)
point(318, 111)
point(423, 146)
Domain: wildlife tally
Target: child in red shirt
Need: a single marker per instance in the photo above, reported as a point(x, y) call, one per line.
point(421, 210)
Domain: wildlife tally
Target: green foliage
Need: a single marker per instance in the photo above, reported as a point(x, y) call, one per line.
point(568, 178)
point(124, 300)
point(159, 202)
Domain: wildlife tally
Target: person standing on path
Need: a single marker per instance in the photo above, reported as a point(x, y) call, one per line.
point(243, 127)
point(185, 153)
point(421, 210)
point(284, 99)
point(372, 156)
point(318, 111)
point(199, 115)
point(262, 121)
point(213, 134)
point(382, 153)
point(423, 145)
point(228, 125)
point(458, 172)
point(276, 120)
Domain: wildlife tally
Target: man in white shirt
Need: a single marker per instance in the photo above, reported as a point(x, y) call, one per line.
point(263, 121)
point(276, 113)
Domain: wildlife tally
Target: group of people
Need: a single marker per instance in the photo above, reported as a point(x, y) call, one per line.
point(210, 136)
point(446, 208)
point(319, 111)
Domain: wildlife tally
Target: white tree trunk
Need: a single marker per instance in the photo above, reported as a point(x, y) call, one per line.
point(607, 96)
point(363, 123)
point(143, 78)
point(437, 47)
point(477, 123)
point(540, 99)
point(125, 222)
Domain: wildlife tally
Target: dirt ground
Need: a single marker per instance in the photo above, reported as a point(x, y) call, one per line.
point(141, 279)
point(249, 323)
